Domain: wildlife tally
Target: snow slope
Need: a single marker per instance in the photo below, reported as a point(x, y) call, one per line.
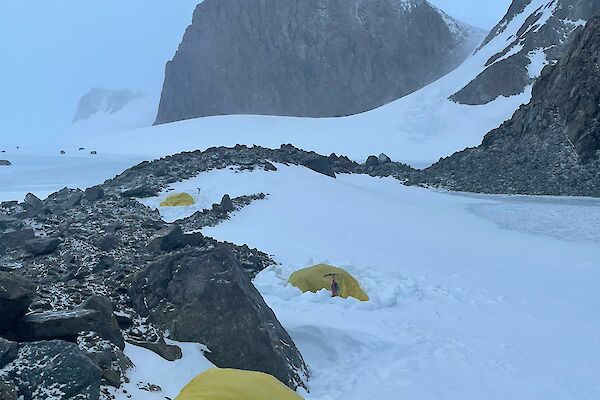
point(471, 296)
point(418, 128)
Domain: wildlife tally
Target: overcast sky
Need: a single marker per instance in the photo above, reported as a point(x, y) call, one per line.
point(55, 51)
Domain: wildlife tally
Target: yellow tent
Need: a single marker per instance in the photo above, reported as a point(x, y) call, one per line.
point(320, 276)
point(233, 384)
point(179, 199)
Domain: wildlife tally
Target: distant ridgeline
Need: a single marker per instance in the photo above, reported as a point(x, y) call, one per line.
point(311, 58)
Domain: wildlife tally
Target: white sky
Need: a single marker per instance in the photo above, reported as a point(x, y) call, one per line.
point(55, 51)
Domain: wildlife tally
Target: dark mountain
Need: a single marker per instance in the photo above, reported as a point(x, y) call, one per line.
point(550, 146)
point(315, 58)
point(544, 28)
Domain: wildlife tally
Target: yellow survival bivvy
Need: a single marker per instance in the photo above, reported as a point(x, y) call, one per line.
point(233, 384)
point(319, 277)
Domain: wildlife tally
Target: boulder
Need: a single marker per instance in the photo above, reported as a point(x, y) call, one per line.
point(6, 221)
point(95, 315)
point(42, 246)
point(140, 191)
point(33, 202)
point(16, 295)
point(53, 369)
point(320, 164)
point(5, 163)
point(9, 351)
point(167, 239)
point(94, 193)
point(204, 296)
point(15, 239)
point(384, 159)
point(107, 242)
point(226, 204)
point(74, 199)
point(372, 161)
point(167, 351)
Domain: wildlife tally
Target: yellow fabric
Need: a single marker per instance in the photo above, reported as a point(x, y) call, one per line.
point(315, 278)
point(233, 384)
point(179, 199)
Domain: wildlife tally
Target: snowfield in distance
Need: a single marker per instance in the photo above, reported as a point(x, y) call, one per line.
point(471, 296)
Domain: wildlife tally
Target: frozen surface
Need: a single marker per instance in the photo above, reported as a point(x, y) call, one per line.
point(471, 296)
point(44, 172)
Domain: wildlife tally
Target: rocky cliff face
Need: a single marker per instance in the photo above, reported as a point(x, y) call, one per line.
point(315, 58)
point(533, 33)
point(552, 145)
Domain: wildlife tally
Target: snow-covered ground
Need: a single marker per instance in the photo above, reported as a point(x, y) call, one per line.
point(471, 296)
point(43, 172)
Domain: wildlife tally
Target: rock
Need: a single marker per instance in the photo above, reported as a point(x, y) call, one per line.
point(9, 351)
point(6, 221)
point(140, 191)
point(42, 246)
point(372, 161)
point(54, 369)
point(509, 71)
point(95, 315)
point(104, 263)
point(63, 152)
point(320, 164)
point(74, 199)
point(16, 295)
point(106, 356)
point(33, 202)
point(312, 58)
point(167, 239)
point(226, 204)
point(204, 296)
point(108, 242)
point(384, 159)
point(93, 152)
point(14, 239)
point(94, 193)
point(550, 146)
point(5, 163)
point(166, 351)
point(8, 390)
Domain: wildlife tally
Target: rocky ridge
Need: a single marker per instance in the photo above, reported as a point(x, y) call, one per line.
point(550, 146)
point(545, 33)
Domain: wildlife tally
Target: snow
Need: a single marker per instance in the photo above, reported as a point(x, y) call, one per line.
point(538, 62)
point(40, 172)
point(171, 377)
point(471, 296)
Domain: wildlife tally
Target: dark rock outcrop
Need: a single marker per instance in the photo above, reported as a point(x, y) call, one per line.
point(548, 29)
point(316, 58)
point(205, 296)
point(5, 163)
point(550, 146)
point(16, 295)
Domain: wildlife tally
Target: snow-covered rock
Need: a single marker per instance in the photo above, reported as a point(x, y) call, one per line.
point(533, 33)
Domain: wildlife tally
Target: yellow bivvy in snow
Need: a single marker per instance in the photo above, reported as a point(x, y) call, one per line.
point(177, 200)
point(233, 384)
point(320, 276)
